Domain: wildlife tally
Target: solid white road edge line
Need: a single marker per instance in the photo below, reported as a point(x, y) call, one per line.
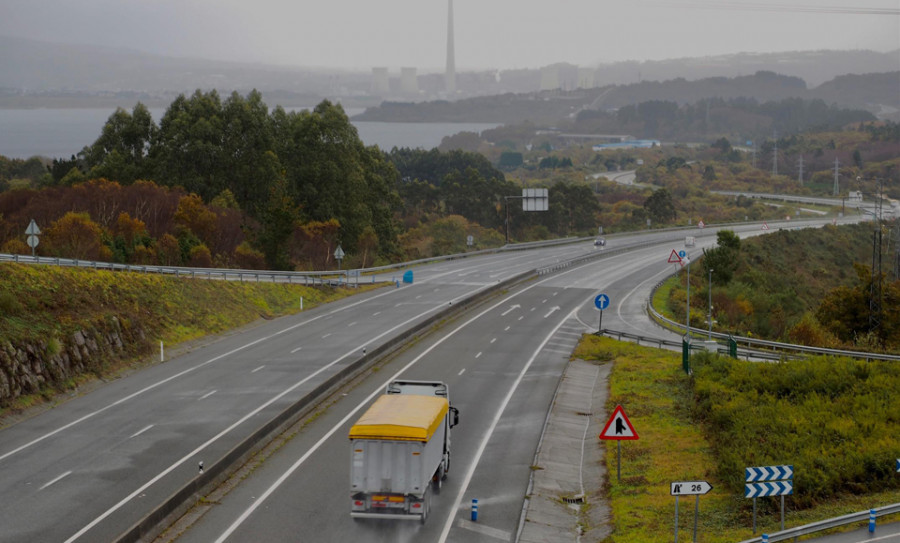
point(176, 376)
point(474, 464)
point(240, 421)
point(284, 476)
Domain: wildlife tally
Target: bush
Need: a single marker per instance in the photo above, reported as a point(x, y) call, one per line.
point(836, 420)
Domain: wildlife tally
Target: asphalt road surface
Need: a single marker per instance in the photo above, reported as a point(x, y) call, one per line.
point(95, 465)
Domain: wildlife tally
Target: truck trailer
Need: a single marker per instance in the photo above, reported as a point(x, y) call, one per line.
point(400, 451)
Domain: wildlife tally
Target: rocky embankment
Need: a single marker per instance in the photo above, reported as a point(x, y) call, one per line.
point(30, 368)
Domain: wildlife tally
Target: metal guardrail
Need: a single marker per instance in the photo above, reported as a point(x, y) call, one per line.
point(852, 518)
point(332, 277)
point(659, 342)
point(760, 345)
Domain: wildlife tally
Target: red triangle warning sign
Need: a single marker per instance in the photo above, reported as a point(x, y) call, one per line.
point(674, 258)
point(618, 426)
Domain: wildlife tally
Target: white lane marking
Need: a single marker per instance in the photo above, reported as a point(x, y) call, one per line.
point(882, 538)
point(522, 317)
point(326, 335)
point(533, 308)
point(180, 374)
point(375, 314)
point(462, 371)
point(484, 530)
point(478, 355)
point(506, 329)
point(378, 390)
point(141, 431)
point(351, 324)
point(419, 296)
point(295, 350)
point(544, 301)
point(624, 298)
point(251, 414)
point(497, 414)
point(208, 394)
point(55, 480)
point(493, 339)
point(259, 368)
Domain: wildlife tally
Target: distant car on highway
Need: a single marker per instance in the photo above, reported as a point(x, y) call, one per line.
point(600, 242)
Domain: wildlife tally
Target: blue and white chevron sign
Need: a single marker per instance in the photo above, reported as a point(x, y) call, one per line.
point(769, 473)
point(761, 490)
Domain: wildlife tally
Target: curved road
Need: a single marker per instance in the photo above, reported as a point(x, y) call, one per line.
point(94, 466)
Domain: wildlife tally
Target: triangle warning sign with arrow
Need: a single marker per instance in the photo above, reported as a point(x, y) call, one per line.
point(618, 426)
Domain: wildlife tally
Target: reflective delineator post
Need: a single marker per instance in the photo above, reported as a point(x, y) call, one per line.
point(474, 509)
point(871, 521)
point(765, 538)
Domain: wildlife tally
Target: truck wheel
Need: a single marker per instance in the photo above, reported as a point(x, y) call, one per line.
point(437, 480)
point(426, 499)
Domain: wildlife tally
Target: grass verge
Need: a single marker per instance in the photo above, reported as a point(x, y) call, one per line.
point(657, 399)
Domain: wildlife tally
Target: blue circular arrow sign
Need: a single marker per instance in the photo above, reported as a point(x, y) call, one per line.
point(601, 301)
point(682, 253)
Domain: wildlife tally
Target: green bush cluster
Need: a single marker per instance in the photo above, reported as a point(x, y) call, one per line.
point(837, 421)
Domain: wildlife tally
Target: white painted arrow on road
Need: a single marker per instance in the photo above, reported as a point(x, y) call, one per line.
point(517, 306)
point(555, 308)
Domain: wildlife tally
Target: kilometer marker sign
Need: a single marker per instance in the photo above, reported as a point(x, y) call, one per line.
point(689, 488)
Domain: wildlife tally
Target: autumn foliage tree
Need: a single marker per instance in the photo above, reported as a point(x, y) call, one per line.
point(75, 235)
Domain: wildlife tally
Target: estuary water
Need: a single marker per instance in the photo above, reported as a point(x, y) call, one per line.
point(61, 133)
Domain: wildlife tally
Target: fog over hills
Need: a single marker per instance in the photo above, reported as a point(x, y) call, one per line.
point(44, 74)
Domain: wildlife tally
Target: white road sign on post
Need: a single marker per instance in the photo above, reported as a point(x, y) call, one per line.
point(689, 488)
point(32, 232)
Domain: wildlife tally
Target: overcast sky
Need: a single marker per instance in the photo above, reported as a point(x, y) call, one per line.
point(490, 34)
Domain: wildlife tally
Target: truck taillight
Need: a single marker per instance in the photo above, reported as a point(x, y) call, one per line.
point(416, 505)
point(359, 503)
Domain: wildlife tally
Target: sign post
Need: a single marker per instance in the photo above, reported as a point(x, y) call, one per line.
point(339, 255)
point(601, 302)
point(689, 488)
point(618, 427)
point(768, 481)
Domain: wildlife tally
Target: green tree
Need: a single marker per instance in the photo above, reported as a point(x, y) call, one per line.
point(121, 152)
point(659, 206)
point(277, 221)
point(723, 258)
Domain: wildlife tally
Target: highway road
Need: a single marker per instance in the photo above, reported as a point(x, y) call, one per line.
point(94, 466)
point(503, 363)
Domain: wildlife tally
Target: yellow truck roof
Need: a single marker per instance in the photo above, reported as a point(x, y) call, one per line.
point(403, 417)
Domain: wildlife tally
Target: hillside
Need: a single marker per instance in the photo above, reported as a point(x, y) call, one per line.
point(64, 326)
point(823, 302)
point(876, 93)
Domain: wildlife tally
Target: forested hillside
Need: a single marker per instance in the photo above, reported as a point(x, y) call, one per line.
point(811, 286)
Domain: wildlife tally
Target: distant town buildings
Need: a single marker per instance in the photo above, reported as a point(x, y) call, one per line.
point(381, 82)
point(409, 82)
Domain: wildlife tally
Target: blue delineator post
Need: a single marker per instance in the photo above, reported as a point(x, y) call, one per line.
point(765, 538)
point(474, 509)
point(872, 521)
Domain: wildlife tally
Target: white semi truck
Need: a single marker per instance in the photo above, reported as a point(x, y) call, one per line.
point(400, 451)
